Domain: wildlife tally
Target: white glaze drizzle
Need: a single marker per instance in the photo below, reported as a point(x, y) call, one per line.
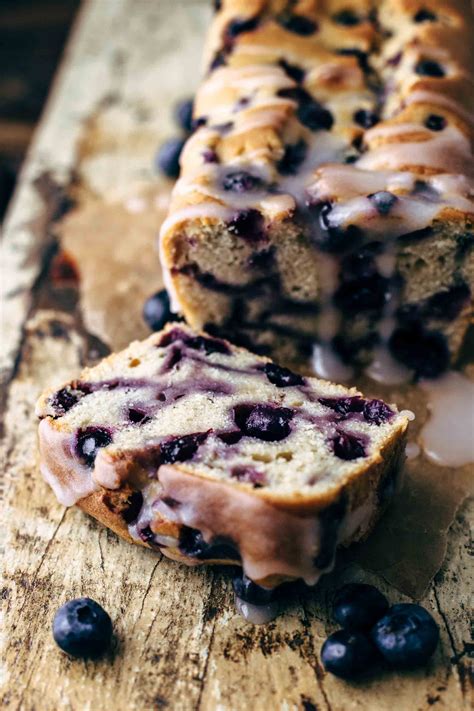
point(412, 450)
point(446, 148)
point(385, 369)
point(256, 614)
point(432, 97)
point(326, 364)
point(448, 436)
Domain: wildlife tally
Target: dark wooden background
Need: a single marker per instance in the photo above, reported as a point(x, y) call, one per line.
point(32, 37)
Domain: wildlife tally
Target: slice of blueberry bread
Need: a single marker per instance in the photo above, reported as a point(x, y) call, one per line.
point(209, 453)
point(326, 197)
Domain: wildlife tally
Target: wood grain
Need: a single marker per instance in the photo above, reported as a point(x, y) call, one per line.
point(179, 643)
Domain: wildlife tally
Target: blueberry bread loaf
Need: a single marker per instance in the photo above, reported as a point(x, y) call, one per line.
point(325, 205)
point(209, 453)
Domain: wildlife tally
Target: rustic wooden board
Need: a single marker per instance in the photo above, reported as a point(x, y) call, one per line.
point(179, 643)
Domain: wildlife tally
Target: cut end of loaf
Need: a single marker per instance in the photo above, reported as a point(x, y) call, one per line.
point(194, 434)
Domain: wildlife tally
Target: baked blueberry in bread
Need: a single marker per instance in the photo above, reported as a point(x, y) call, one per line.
point(326, 196)
point(187, 444)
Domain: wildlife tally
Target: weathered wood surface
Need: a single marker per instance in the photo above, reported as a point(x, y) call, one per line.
point(179, 643)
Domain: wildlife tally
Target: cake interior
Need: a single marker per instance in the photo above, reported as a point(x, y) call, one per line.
point(229, 415)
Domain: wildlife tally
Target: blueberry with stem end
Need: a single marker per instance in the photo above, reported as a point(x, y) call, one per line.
point(406, 636)
point(82, 628)
point(348, 654)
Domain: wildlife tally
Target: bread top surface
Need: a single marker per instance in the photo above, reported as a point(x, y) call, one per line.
point(328, 103)
point(217, 412)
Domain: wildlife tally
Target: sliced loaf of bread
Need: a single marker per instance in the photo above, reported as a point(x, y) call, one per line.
point(189, 445)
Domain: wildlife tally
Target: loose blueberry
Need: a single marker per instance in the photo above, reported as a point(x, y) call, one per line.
point(435, 122)
point(281, 377)
point(266, 422)
point(181, 449)
point(366, 118)
point(157, 312)
point(377, 412)
point(293, 157)
point(183, 114)
point(383, 201)
point(348, 654)
point(424, 15)
point(406, 636)
point(346, 18)
point(358, 606)
point(248, 224)
point(82, 628)
point(425, 352)
point(292, 70)
point(429, 68)
point(249, 592)
point(298, 24)
point(343, 405)
point(239, 181)
point(167, 158)
point(347, 446)
point(88, 442)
